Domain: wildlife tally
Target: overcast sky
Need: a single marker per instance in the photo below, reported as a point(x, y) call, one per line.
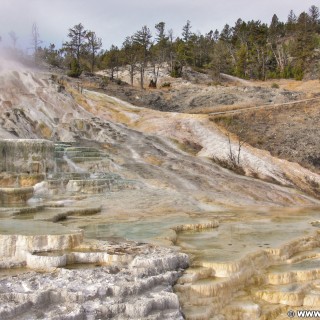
point(113, 20)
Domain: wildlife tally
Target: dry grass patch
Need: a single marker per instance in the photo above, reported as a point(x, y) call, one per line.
point(289, 132)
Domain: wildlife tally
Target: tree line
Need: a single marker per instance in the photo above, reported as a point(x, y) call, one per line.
point(250, 50)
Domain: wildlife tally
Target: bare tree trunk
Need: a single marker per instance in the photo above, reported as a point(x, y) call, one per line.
point(171, 62)
point(131, 72)
point(263, 65)
point(157, 74)
point(229, 47)
point(240, 144)
point(280, 56)
point(92, 62)
point(141, 76)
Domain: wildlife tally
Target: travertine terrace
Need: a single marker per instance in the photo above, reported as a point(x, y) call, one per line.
point(122, 199)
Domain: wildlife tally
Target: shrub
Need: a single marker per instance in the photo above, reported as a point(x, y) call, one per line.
point(214, 83)
point(103, 82)
point(200, 70)
point(313, 184)
point(273, 74)
point(176, 71)
point(275, 86)
point(229, 165)
point(75, 70)
point(298, 71)
point(224, 120)
point(166, 85)
point(54, 77)
point(287, 72)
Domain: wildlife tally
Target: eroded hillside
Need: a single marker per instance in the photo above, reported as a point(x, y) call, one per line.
point(288, 132)
point(42, 106)
point(197, 93)
point(119, 172)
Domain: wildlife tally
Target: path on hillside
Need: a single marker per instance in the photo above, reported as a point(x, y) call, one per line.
point(236, 79)
point(266, 106)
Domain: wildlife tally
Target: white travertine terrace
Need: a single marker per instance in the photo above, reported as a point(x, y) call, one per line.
point(132, 180)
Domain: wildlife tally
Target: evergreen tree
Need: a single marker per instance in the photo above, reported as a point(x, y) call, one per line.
point(291, 23)
point(130, 56)
point(142, 40)
point(186, 31)
point(226, 36)
point(249, 49)
point(314, 15)
point(111, 60)
point(159, 51)
point(219, 60)
point(51, 55)
point(94, 44)
point(76, 47)
point(161, 35)
point(216, 35)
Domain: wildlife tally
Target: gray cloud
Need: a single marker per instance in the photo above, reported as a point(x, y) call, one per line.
point(113, 20)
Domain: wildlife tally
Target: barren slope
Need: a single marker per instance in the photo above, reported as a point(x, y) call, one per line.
point(288, 132)
point(170, 186)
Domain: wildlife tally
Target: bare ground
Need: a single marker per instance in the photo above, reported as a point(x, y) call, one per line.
point(289, 132)
point(197, 95)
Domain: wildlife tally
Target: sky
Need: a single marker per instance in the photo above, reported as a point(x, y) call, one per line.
point(113, 20)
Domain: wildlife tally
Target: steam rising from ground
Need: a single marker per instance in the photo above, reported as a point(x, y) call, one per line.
point(13, 60)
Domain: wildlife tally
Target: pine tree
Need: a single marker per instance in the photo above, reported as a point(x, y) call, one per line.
point(111, 60)
point(291, 23)
point(94, 44)
point(159, 51)
point(186, 31)
point(142, 40)
point(130, 56)
point(76, 47)
point(314, 14)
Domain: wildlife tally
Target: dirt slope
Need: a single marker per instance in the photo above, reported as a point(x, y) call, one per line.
point(288, 132)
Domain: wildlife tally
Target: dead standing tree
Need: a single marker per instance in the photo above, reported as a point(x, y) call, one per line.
point(35, 42)
point(232, 162)
point(234, 156)
point(13, 38)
